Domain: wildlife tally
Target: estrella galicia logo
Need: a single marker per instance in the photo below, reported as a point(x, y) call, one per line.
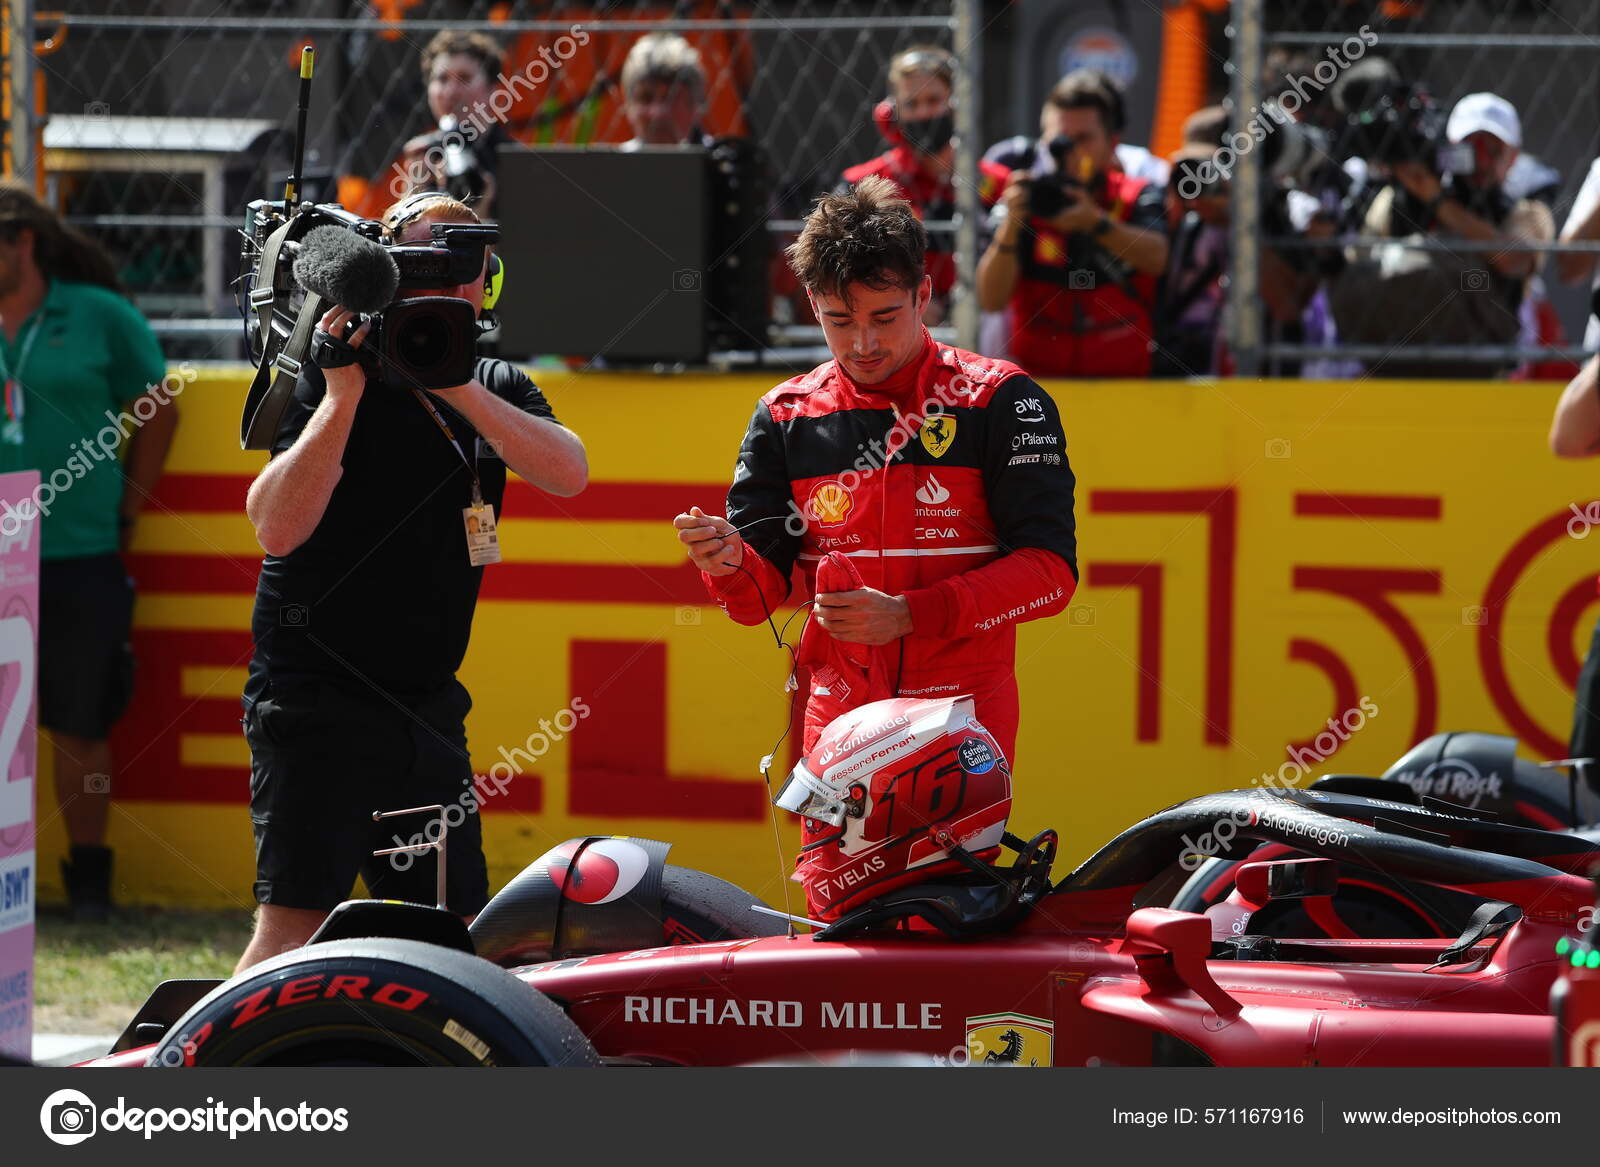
point(975, 755)
point(68, 1117)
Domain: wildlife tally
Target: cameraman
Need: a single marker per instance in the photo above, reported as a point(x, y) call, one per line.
point(1443, 296)
point(1077, 243)
point(460, 154)
point(364, 608)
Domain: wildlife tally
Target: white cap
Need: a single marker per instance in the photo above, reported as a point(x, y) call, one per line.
point(1488, 112)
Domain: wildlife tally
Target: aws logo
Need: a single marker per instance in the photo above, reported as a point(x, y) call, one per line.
point(830, 503)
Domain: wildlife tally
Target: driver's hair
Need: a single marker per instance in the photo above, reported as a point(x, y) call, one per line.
point(867, 235)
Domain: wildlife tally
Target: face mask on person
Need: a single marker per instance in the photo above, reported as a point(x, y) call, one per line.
point(929, 135)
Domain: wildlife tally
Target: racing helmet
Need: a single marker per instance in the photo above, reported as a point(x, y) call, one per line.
point(886, 792)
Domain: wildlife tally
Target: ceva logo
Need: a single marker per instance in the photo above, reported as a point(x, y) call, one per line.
point(68, 1117)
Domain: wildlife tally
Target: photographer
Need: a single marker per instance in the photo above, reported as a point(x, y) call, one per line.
point(916, 119)
point(1440, 193)
point(460, 154)
point(364, 609)
point(1077, 244)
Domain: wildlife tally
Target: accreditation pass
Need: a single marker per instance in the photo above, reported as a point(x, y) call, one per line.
point(483, 542)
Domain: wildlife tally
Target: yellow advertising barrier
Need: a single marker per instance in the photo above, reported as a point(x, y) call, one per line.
point(1262, 563)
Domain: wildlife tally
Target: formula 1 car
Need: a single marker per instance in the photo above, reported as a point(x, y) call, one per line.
point(601, 953)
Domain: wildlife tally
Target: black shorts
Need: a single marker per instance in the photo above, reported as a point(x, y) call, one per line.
point(323, 759)
point(85, 660)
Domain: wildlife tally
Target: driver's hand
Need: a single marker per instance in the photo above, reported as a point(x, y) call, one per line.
point(863, 616)
point(713, 545)
point(349, 381)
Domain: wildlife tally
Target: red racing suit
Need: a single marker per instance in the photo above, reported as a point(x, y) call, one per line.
point(947, 484)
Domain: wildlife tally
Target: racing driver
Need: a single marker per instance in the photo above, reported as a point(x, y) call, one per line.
point(929, 485)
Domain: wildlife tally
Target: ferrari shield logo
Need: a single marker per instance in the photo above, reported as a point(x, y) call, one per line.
point(1010, 1039)
point(937, 433)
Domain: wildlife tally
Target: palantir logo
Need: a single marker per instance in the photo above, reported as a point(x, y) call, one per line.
point(68, 1117)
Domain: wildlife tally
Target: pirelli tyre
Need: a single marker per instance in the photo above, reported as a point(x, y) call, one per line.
point(374, 1002)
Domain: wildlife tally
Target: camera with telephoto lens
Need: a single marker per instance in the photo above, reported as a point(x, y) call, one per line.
point(341, 258)
point(1402, 123)
point(1050, 194)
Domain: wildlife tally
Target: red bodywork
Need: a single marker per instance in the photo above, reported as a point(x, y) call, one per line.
point(1087, 978)
point(1347, 1003)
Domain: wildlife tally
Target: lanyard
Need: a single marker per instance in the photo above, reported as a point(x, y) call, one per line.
point(471, 465)
point(13, 380)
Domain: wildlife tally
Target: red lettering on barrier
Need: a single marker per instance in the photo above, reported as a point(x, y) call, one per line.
point(1564, 619)
point(147, 741)
point(1491, 652)
point(619, 752)
point(1147, 578)
point(1221, 510)
point(1346, 694)
point(1370, 587)
point(1369, 506)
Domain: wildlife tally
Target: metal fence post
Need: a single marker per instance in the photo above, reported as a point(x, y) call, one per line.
point(19, 89)
point(969, 87)
point(1244, 306)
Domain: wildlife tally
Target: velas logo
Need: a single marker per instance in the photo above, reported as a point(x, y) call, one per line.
point(68, 1117)
point(932, 492)
point(937, 433)
point(830, 503)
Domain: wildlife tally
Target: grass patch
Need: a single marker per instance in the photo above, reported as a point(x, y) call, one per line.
point(89, 978)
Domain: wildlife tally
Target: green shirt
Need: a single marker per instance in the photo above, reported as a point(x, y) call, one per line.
point(93, 355)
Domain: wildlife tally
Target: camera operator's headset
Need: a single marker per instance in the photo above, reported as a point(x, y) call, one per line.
point(414, 205)
point(279, 370)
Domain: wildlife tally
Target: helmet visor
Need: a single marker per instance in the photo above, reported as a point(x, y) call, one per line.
point(805, 794)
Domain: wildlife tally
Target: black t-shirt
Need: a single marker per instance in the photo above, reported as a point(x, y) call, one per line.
point(382, 593)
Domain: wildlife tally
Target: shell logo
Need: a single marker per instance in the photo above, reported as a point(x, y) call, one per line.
point(829, 503)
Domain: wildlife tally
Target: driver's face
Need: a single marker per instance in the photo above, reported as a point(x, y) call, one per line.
point(876, 332)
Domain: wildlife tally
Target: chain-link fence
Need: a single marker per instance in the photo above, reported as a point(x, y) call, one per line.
point(162, 119)
point(1406, 173)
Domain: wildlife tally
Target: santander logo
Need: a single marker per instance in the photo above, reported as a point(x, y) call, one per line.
point(932, 492)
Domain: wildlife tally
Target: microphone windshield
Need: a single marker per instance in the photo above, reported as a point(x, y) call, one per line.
point(346, 269)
